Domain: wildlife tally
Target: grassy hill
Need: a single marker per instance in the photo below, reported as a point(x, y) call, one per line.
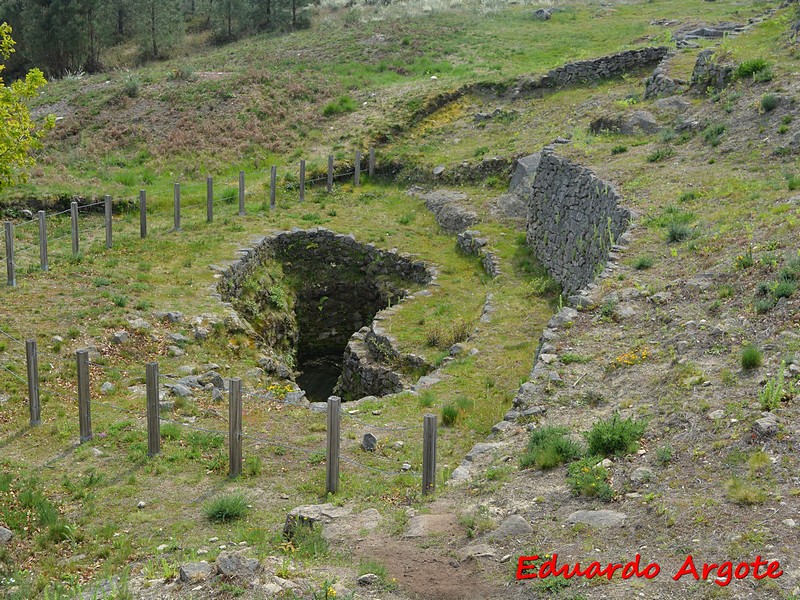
point(711, 268)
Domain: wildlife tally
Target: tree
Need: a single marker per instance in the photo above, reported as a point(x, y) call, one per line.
point(19, 134)
point(159, 26)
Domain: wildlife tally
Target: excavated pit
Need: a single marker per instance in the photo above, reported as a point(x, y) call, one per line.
point(307, 292)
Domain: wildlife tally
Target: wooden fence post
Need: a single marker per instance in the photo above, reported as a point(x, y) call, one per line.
point(209, 199)
point(43, 241)
point(357, 174)
point(142, 214)
point(32, 360)
point(109, 209)
point(235, 428)
point(273, 178)
point(11, 268)
point(73, 213)
point(302, 180)
point(241, 194)
point(334, 436)
point(153, 418)
point(330, 172)
point(429, 454)
point(371, 161)
point(176, 207)
point(84, 409)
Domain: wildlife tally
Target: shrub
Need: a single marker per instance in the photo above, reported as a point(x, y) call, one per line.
point(549, 447)
point(131, 85)
point(426, 399)
point(664, 454)
point(784, 289)
point(230, 195)
point(751, 357)
point(793, 182)
point(764, 305)
point(571, 357)
point(643, 262)
point(725, 291)
point(768, 102)
point(688, 195)
point(226, 508)
point(713, 134)
point(450, 414)
point(678, 232)
point(251, 466)
point(587, 477)
point(742, 493)
point(770, 397)
point(660, 154)
point(615, 436)
point(170, 431)
point(620, 149)
point(343, 104)
point(750, 67)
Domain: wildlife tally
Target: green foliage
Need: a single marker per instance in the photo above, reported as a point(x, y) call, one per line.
point(688, 195)
point(343, 104)
point(444, 336)
point(615, 436)
point(775, 390)
point(743, 493)
point(587, 477)
point(450, 414)
point(713, 134)
point(749, 68)
point(678, 232)
point(251, 467)
point(751, 357)
point(228, 507)
point(131, 84)
point(793, 182)
point(619, 149)
point(664, 454)
point(570, 357)
point(660, 154)
point(549, 447)
point(159, 26)
point(643, 262)
point(768, 102)
point(20, 136)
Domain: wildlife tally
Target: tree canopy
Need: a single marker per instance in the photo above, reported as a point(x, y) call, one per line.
point(19, 135)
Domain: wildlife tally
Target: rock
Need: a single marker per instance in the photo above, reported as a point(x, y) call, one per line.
point(97, 453)
point(213, 378)
point(642, 475)
point(542, 14)
point(405, 467)
point(318, 407)
point(534, 411)
point(312, 513)
point(140, 324)
point(481, 448)
point(474, 551)
point(176, 351)
point(368, 579)
point(766, 427)
point(5, 536)
point(398, 445)
point(196, 572)
point(107, 387)
point(639, 120)
point(369, 442)
point(790, 523)
point(597, 518)
point(425, 525)
point(271, 589)
point(237, 565)
point(178, 338)
point(438, 170)
point(141, 504)
point(565, 316)
point(120, 337)
point(457, 350)
point(200, 333)
point(180, 390)
point(514, 526)
point(716, 414)
point(548, 358)
point(174, 316)
point(187, 370)
point(501, 426)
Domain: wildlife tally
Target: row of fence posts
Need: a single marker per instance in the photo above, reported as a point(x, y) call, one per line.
point(234, 422)
point(108, 212)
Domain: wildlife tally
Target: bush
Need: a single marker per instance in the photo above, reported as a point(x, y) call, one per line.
point(713, 134)
point(549, 447)
point(688, 195)
point(768, 102)
point(131, 85)
point(751, 357)
point(226, 508)
point(343, 104)
point(784, 289)
point(619, 149)
point(664, 454)
point(770, 397)
point(750, 67)
point(450, 414)
point(793, 182)
point(660, 154)
point(678, 232)
point(587, 477)
point(615, 436)
point(643, 262)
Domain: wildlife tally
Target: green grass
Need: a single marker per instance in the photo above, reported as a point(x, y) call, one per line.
point(751, 357)
point(615, 436)
point(225, 508)
point(343, 104)
point(549, 447)
point(586, 477)
point(749, 68)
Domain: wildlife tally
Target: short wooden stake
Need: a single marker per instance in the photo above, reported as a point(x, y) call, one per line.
point(357, 174)
point(330, 172)
point(32, 360)
point(273, 184)
point(11, 268)
point(209, 199)
point(235, 428)
point(302, 180)
point(73, 213)
point(142, 214)
point(153, 418)
point(371, 162)
point(109, 210)
point(84, 409)
point(43, 262)
point(241, 194)
point(429, 454)
point(334, 437)
point(176, 207)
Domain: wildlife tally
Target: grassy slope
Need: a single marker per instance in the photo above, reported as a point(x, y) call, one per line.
point(92, 296)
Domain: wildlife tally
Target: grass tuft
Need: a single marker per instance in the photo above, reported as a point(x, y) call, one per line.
point(229, 507)
point(751, 357)
point(549, 447)
point(615, 436)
